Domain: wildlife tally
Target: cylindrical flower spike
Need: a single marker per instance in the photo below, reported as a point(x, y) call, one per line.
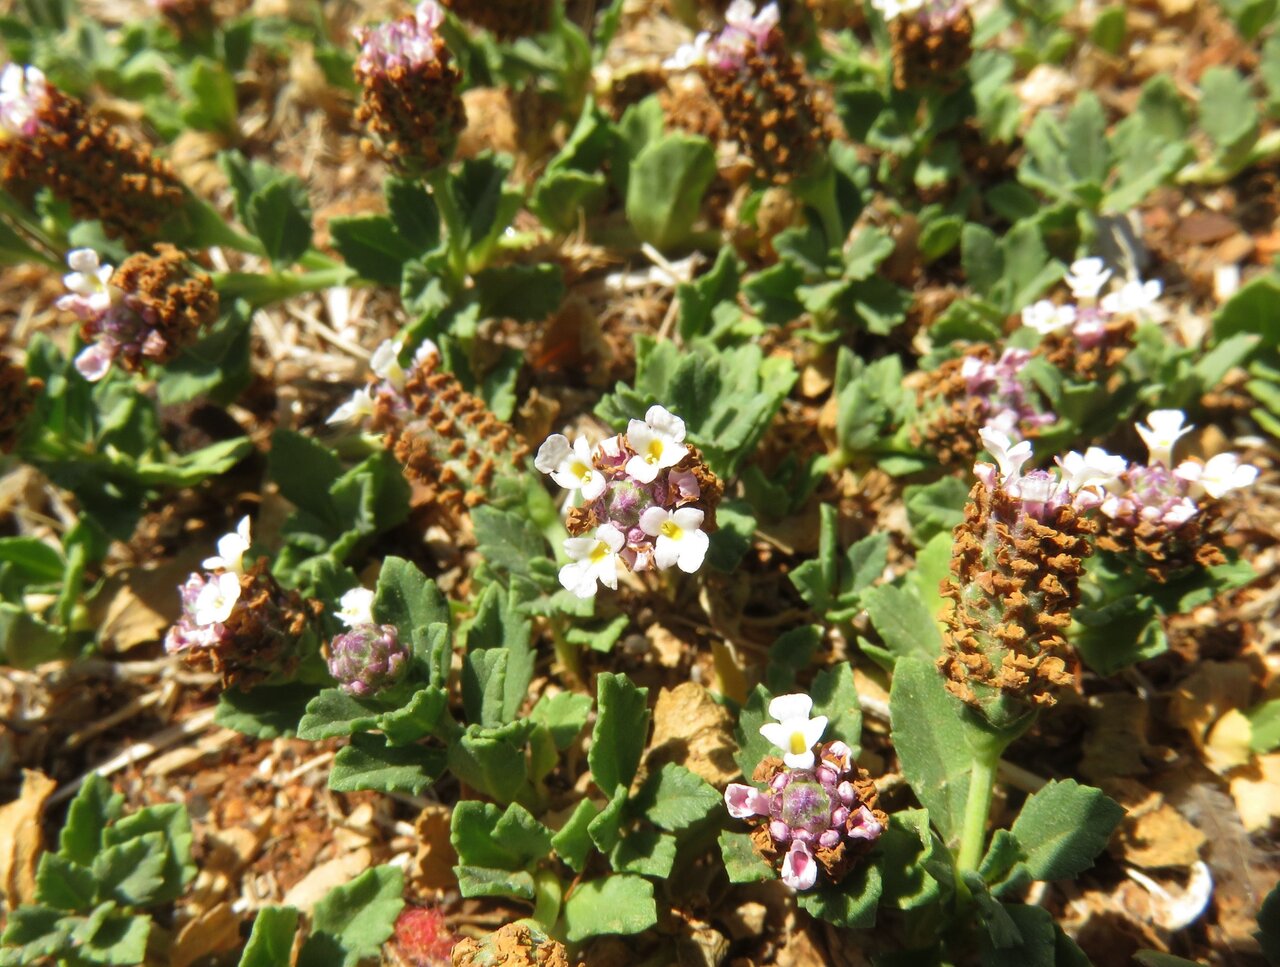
point(932, 40)
point(148, 309)
point(410, 104)
point(1016, 565)
point(823, 816)
point(51, 140)
point(766, 99)
point(649, 501)
point(505, 19)
point(237, 621)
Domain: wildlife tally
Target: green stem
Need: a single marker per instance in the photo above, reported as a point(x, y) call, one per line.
point(438, 181)
point(567, 652)
point(973, 835)
point(547, 896)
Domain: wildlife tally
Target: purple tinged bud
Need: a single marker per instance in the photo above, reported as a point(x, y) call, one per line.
point(839, 816)
point(780, 832)
point(829, 839)
point(847, 793)
point(367, 659)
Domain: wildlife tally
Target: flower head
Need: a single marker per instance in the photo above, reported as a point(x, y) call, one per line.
point(22, 91)
point(1046, 317)
point(367, 659)
point(678, 538)
point(1162, 430)
point(1086, 277)
point(231, 550)
point(216, 599)
point(592, 560)
point(794, 733)
point(658, 442)
point(401, 44)
point(361, 406)
point(1009, 456)
point(355, 607)
point(572, 467)
point(1217, 477)
point(1134, 296)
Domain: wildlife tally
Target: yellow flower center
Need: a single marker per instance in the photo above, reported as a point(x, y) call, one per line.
point(798, 744)
point(580, 470)
point(671, 529)
point(654, 452)
point(599, 552)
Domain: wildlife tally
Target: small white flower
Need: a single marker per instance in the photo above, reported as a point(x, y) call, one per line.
point(1161, 431)
point(570, 466)
point(1086, 277)
point(891, 9)
point(1094, 468)
point(799, 868)
point(356, 607)
point(425, 352)
point(1009, 456)
point(794, 733)
point(1045, 317)
point(1133, 297)
point(679, 541)
point(359, 407)
point(22, 91)
point(88, 277)
point(1218, 477)
point(689, 55)
point(217, 599)
point(231, 550)
point(385, 363)
point(593, 559)
point(658, 443)
point(742, 15)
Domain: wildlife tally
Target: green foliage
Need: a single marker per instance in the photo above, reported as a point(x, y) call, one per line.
point(621, 729)
point(351, 922)
point(273, 205)
point(619, 904)
point(665, 187)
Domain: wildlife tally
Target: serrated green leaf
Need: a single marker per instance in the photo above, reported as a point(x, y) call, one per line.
point(271, 942)
point(572, 842)
point(665, 186)
point(95, 806)
point(1255, 308)
point(280, 215)
point(173, 824)
point(63, 884)
point(1063, 827)
point(132, 872)
point(564, 715)
point(835, 696)
point(605, 828)
point(369, 762)
point(741, 862)
point(852, 904)
point(645, 851)
point(903, 621)
point(372, 246)
point(674, 798)
point(351, 922)
point(620, 904)
point(620, 733)
point(481, 881)
point(493, 760)
point(265, 712)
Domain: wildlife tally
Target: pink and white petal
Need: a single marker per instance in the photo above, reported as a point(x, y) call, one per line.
point(606, 569)
point(745, 801)
point(566, 479)
point(579, 547)
point(799, 868)
point(814, 728)
point(641, 471)
point(93, 363)
point(578, 578)
point(612, 537)
point(594, 486)
point(799, 760)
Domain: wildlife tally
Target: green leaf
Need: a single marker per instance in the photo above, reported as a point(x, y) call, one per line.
point(417, 719)
point(498, 629)
point(1063, 827)
point(304, 469)
point(131, 873)
point(271, 942)
point(792, 652)
point(620, 904)
point(351, 922)
point(645, 851)
point(934, 508)
point(280, 215)
point(35, 932)
point(1037, 943)
point(852, 904)
point(932, 742)
point(573, 841)
point(33, 558)
point(265, 712)
point(510, 839)
point(525, 293)
point(909, 850)
point(1228, 113)
point(699, 297)
point(1255, 308)
point(605, 828)
point(105, 938)
point(173, 824)
point(1264, 726)
point(213, 96)
point(334, 713)
point(1269, 926)
point(413, 213)
point(95, 806)
point(405, 598)
point(903, 621)
point(563, 197)
point(64, 885)
point(665, 187)
point(482, 881)
point(507, 541)
point(493, 760)
point(564, 715)
point(620, 733)
point(1154, 958)
point(372, 246)
point(674, 798)
point(741, 862)
point(835, 696)
point(752, 746)
point(369, 762)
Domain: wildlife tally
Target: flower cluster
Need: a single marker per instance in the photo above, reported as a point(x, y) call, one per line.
point(50, 140)
point(1091, 336)
point(973, 391)
point(148, 309)
point(649, 501)
point(817, 808)
point(446, 438)
point(1016, 564)
point(410, 102)
point(238, 620)
point(932, 40)
point(505, 18)
point(765, 98)
point(368, 657)
point(1164, 511)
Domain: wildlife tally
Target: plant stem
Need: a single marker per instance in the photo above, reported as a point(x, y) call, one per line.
point(973, 834)
point(547, 894)
point(567, 652)
point(730, 680)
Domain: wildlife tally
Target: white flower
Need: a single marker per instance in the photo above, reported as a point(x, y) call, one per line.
point(425, 352)
point(1160, 433)
point(742, 15)
point(22, 90)
point(1045, 317)
point(794, 733)
point(891, 9)
point(1094, 468)
point(1086, 277)
point(359, 407)
point(689, 55)
point(570, 466)
point(593, 559)
point(679, 541)
point(216, 599)
point(1217, 478)
point(1009, 455)
point(88, 277)
point(231, 550)
point(799, 868)
point(1133, 297)
point(658, 443)
point(385, 363)
point(356, 607)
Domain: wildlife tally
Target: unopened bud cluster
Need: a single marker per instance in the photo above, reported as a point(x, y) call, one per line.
point(410, 104)
point(767, 102)
point(51, 140)
point(505, 18)
point(817, 808)
point(148, 310)
point(932, 40)
point(648, 501)
point(446, 438)
point(237, 620)
point(368, 657)
point(1090, 337)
